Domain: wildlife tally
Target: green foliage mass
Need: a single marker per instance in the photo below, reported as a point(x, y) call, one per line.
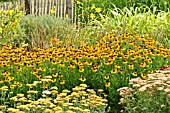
point(162, 5)
point(10, 28)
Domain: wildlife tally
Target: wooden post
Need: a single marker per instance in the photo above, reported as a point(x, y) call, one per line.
point(27, 7)
point(69, 9)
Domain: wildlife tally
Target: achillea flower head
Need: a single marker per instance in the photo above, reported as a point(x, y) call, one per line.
point(46, 92)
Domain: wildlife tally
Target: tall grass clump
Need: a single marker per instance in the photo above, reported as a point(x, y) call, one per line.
point(48, 31)
point(143, 20)
point(44, 31)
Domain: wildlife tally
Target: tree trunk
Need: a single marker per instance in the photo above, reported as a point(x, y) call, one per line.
point(27, 7)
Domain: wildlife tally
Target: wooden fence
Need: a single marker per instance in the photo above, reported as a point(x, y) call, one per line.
point(62, 8)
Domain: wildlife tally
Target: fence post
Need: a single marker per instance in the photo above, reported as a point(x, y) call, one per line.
point(69, 9)
point(27, 7)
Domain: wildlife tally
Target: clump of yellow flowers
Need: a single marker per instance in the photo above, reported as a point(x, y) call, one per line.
point(9, 26)
point(87, 11)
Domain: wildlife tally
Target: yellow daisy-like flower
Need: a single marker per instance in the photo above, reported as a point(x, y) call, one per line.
point(53, 80)
point(55, 75)
point(92, 7)
point(71, 66)
point(12, 86)
point(134, 74)
point(117, 66)
point(62, 82)
point(106, 76)
point(94, 69)
point(19, 85)
point(62, 65)
point(92, 15)
point(131, 67)
point(83, 79)
point(108, 62)
point(144, 76)
point(52, 69)
point(98, 10)
point(10, 12)
point(107, 84)
point(114, 71)
point(81, 70)
point(78, 2)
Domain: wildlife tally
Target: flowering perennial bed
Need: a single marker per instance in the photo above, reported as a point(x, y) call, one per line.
point(27, 76)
